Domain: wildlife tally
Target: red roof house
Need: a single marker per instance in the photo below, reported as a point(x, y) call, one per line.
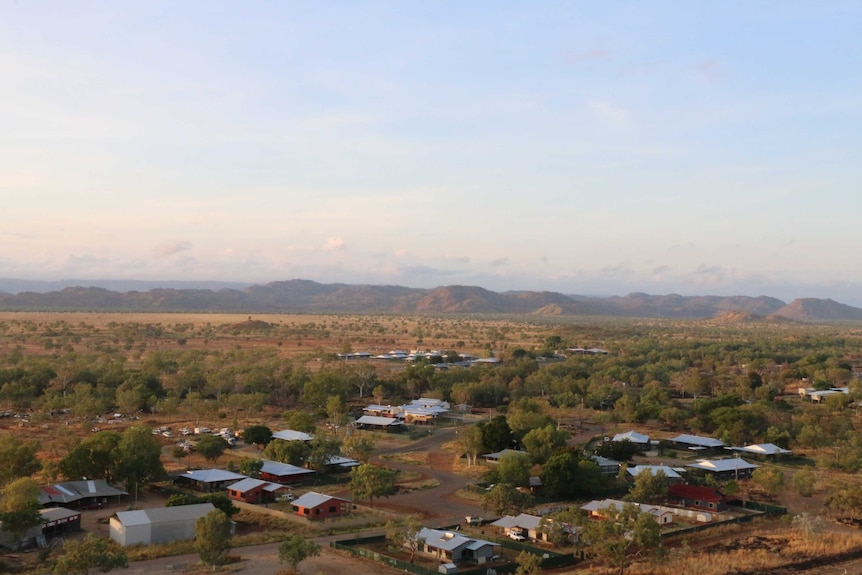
point(708, 498)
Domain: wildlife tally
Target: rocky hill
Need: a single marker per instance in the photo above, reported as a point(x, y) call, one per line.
point(303, 296)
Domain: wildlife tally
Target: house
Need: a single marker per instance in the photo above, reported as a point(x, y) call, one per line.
point(291, 435)
point(452, 547)
point(92, 492)
point(315, 505)
point(696, 496)
point(695, 442)
point(598, 509)
point(282, 473)
point(158, 525)
point(763, 449)
point(733, 468)
point(376, 422)
point(56, 522)
point(209, 480)
point(523, 524)
point(339, 464)
point(251, 490)
point(495, 457)
point(670, 472)
point(638, 439)
point(606, 465)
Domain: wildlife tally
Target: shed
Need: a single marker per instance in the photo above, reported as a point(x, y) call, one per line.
point(158, 525)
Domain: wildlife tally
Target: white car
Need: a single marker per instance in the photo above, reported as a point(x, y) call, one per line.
point(517, 537)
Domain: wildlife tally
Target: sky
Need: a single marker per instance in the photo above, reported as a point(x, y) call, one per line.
point(595, 148)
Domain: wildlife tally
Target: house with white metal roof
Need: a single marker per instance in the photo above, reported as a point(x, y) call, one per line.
point(523, 524)
point(732, 468)
point(696, 442)
point(632, 436)
point(765, 449)
point(450, 546)
point(291, 435)
point(376, 422)
point(158, 525)
point(668, 471)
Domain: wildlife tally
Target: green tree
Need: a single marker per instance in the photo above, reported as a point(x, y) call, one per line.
point(213, 537)
point(528, 564)
point(541, 442)
point(406, 534)
point(621, 535)
point(470, 444)
point(506, 500)
point(567, 475)
point(91, 552)
point(514, 469)
point(358, 446)
point(17, 458)
point(250, 467)
point(293, 452)
point(623, 450)
point(211, 447)
point(19, 507)
point(649, 487)
point(496, 434)
point(803, 482)
point(258, 435)
point(94, 458)
point(770, 479)
point(300, 420)
point(138, 459)
point(296, 549)
point(323, 448)
point(368, 481)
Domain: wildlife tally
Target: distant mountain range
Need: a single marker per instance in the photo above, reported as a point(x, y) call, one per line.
point(303, 296)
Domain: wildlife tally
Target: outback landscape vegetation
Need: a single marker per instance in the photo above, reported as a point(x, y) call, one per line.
point(77, 386)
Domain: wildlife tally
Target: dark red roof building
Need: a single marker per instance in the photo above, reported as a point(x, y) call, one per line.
point(708, 498)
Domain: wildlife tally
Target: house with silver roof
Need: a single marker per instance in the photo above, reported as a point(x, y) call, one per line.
point(313, 505)
point(278, 472)
point(731, 468)
point(453, 547)
point(209, 479)
point(291, 435)
point(251, 490)
point(80, 493)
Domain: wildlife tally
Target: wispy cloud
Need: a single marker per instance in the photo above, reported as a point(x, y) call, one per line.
point(608, 111)
point(594, 54)
point(335, 245)
point(168, 249)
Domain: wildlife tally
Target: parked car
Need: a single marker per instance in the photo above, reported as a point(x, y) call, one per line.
point(516, 536)
point(474, 520)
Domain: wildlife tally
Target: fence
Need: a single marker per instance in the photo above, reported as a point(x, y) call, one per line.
point(550, 559)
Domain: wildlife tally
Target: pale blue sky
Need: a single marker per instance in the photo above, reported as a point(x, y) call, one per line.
point(583, 147)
